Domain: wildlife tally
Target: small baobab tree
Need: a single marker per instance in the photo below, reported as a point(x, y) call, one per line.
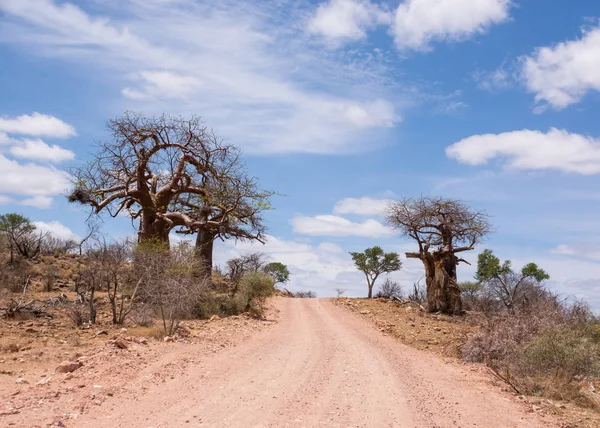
point(442, 228)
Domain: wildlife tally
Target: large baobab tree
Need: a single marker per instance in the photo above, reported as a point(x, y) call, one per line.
point(232, 208)
point(442, 228)
point(169, 172)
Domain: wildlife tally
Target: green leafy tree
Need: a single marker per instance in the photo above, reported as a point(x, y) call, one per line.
point(278, 271)
point(16, 228)
point(503, 282)
point(373, 262)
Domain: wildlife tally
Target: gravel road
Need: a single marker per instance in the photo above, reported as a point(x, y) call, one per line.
point(320, 366)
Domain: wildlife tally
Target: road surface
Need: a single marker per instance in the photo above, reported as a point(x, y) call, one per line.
point(320, 366)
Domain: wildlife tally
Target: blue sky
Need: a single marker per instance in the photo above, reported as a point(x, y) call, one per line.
point(338, 105)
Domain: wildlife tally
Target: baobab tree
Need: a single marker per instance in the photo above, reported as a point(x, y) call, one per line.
point(155, 169)
point(232, 208)
point(442, 228)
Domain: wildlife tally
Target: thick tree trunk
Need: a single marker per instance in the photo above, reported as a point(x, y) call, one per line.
point(370, 291)
point(443, 294)
point(153, 229)
point(204, 252)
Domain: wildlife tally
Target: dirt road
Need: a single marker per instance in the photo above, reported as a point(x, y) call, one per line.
point(320, 366)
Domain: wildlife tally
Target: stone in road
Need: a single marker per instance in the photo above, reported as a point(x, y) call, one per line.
point(320, 366)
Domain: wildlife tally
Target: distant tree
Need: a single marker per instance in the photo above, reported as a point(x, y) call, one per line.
point(306, 294)
point(373, 262)
point(503, 283)
point(278, 271)
point(238, 266)
point(18, 230)
point(470, 288)
point(340, 292)
point(442, 228)
point(390, 289)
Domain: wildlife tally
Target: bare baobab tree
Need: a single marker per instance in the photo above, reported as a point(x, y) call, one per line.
point(442, 228)
point(169, 172)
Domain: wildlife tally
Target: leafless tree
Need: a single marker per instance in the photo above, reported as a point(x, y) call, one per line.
point(442, 228)
point(340, 292)
point(150, 163)
point(237, 267)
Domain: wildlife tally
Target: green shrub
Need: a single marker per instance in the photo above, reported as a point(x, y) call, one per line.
point(252, 291)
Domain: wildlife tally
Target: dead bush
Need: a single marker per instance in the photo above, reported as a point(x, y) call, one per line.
point(169, 282)
point(15, 277)
point(79, 314)
point(542, 347)
point(143, 315)
point(389, 289)
point(50, 273)
point(306, 294)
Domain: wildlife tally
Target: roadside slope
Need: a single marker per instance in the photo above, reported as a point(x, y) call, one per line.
point(319, 366)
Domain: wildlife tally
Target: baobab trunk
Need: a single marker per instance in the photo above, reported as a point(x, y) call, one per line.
point(204, 252)
point(443, 294)
point(153, 228)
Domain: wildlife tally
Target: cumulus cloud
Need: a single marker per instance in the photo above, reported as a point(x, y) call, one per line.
point(39, 201)
point(266, 89)
point(339, 20)
point(56, 229)
point(360, 206)
point(562, 74)
point(330, 225)
point(532, 150)
point(5, 200)
point(31, 179)
point(418, 23)
point(40, 151)
point(36, 124)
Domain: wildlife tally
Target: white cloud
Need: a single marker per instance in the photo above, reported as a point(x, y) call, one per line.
point(360, 206)
point(5, 200)
point(495, 80)
point(162, 84)
point(562, 74)
point(330, 225)
point(40, 151)
point(258, 82)
point(581, 251)
point(532, 150)
point(37, 124)
point(56, 229)
point(339, 20)
point(31, 179)
point(420, 22)
point(41, 202)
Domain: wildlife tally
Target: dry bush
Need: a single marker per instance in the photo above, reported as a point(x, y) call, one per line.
point(389, 289)
point(79, 314)
point(15, 277)
point(52, 246)
point(50, 273)
point(143, 315)
point(543, 347)
point(252, 292)
point(306, 294)
point(169, 282)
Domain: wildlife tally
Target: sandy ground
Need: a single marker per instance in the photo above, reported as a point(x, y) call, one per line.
point(318, 366)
